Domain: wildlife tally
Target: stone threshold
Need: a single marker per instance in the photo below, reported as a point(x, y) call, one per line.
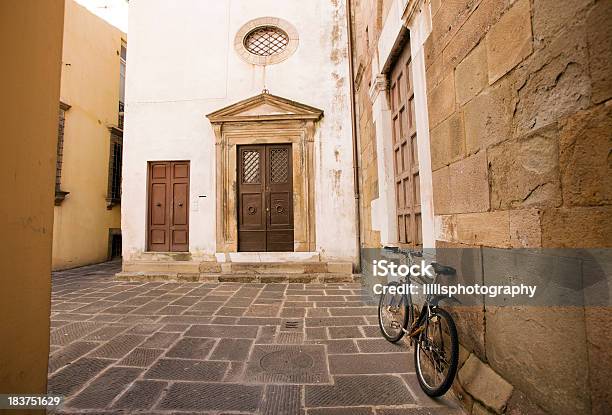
point(268, 257)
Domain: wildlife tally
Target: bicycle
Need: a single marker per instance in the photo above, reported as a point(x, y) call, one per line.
point(436, 351)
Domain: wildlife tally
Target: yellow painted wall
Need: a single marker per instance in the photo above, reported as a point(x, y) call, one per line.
point(31, 44)
point(90, 85)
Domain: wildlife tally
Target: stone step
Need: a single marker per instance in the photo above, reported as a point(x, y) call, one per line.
point(267, 278)
point(274, 267)
point(288, 278)
point(162, 266)
point(210, 267)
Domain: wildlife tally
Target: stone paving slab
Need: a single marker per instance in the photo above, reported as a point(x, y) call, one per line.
point(212, 397)
point(105, 388)
point(68, 354)
point(232, 350)
point(74, 375)
point(141, 357)
point(184, 369)
point(359, 390)
point(282, 399)
point(141, 395)
point(371, 363)
point(192, 348)
point(218, 348)
point(355, 410)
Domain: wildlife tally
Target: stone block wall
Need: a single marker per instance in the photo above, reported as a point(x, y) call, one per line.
point(521, 138)
point(519, 112)
point(519, 115)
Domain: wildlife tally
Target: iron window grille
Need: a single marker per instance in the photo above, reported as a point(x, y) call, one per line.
point(279, 167)
point(60, 194)
point(266, 41)
point(121, 117)
point(122, 71)
point(250, 167)
point(114, 168)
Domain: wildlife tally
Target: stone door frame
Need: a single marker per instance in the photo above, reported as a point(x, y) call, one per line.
point(265, 119)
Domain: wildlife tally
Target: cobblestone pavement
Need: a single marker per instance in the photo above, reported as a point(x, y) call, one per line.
point(125, 347)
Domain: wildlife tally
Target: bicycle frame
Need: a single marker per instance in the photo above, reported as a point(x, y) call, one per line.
point(431, 302)
point(429, 329)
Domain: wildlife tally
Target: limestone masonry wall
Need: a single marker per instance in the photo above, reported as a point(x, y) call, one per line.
point(520, 128)
point(519, 109)
point(90, 85)
point(520, 122)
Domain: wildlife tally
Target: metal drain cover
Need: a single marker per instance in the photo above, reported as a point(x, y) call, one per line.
point(286, 361)
point(292, 324)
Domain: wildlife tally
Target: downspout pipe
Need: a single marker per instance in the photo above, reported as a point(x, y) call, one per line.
point(354, 132)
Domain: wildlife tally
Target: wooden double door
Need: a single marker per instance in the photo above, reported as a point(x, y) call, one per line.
point(168, 206)
point(405, 152)
point(265, 198)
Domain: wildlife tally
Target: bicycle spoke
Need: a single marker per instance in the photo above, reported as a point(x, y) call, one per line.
point(436, 353)
point(434, 364)
point(392, 314)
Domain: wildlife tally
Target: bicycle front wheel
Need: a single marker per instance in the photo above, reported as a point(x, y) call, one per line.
point(436, 354)
point(392, 315)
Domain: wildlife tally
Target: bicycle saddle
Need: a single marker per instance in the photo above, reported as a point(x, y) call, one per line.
point(443, 270)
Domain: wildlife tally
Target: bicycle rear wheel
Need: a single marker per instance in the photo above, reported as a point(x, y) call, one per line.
point(393, 313)
point(436, 354)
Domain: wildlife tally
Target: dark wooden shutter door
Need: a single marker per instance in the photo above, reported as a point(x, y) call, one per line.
point(168, 210)
point(251, 206)
point(279, 195)
point(265, 198)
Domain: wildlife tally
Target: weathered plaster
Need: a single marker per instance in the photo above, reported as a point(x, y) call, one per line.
point(188, 67)
point(90, 85)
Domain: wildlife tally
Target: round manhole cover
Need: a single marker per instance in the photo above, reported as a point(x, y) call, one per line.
point(286, 361)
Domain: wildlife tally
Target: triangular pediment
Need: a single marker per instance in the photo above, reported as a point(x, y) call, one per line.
point(265, 107)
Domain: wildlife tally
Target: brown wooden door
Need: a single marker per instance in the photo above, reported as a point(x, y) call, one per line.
point(405, 154)
point(168, 207)
point(265, 198)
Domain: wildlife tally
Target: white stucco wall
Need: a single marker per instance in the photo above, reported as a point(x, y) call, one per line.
point(182, 65)
point(420, 28)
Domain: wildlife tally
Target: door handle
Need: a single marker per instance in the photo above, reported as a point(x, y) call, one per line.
point(158, 204)
point(180, 204)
